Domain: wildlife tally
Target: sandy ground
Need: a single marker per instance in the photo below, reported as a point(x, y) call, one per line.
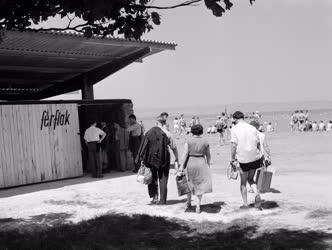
point(300, 197)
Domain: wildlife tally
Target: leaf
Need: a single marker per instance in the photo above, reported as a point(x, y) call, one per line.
point(228, 4)
point(155, 18)
point(215, 7)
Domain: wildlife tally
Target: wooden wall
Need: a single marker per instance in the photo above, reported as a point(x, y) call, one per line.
point(31, 153)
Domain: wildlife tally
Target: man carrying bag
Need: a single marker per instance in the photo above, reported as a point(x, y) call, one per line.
point(154, 152)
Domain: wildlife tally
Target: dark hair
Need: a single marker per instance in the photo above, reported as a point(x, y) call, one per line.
point(132, 116)
point(197, 129)
point(238, 115)
point(164, 114)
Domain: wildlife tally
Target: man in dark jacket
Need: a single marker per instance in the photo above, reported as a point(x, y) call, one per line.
point(155, 154)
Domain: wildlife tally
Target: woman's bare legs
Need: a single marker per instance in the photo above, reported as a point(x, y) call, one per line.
point(188, 201)
point(198, 203)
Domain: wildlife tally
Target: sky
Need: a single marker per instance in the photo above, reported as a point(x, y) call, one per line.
point(273, 51)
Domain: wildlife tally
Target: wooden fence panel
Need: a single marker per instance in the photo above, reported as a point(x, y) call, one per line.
point(39, 142)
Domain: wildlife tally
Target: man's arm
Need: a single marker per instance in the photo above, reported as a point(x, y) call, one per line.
point(103, 135)
point(233, 151)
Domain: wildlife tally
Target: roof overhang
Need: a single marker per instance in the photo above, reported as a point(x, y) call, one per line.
point(38, 65)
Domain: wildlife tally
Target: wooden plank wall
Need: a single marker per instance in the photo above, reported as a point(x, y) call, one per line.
point(31, 154)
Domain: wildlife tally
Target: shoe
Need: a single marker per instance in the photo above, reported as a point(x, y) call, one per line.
point(243, 207)
point(258, 201)
point(161, 203)
point(154, 201)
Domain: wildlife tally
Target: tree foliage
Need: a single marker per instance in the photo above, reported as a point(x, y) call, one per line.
point(130, 18)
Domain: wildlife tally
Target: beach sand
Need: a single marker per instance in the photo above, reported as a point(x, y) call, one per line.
point(300, 197)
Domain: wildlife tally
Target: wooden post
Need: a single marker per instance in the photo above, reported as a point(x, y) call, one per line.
point(87, 90)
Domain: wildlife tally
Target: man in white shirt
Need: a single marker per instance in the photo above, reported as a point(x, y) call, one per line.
point(246, 155)
point(92, 136)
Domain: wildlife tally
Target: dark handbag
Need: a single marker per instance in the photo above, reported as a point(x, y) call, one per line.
point(182, 184)
point(144, 175)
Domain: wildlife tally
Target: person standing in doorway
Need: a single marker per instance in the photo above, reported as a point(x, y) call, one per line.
point(92, 137)
point(154, 153)
point(135, 137)
point(245, 155)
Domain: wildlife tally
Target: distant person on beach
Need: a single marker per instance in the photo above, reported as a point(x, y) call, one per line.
point(321, 126)
point(221, 125)
point(192, 122)
point(301, 118)
point(269, 127)
point(315, 126)
point(136, 134)
point(182, 124)
point(154, 153)
point(176, 126)
point(198, 121)
point(329, 126)
point(245, 155)
point(295, 121)
point(92, 137)
point(196, 164)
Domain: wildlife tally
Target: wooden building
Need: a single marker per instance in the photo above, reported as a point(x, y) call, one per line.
point(42, 140)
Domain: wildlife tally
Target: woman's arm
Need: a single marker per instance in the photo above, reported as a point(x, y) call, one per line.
point(208, 154)
point(184, 156)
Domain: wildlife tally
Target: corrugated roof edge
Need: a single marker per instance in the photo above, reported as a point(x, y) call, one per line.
point(86, 102)
point(73, 34)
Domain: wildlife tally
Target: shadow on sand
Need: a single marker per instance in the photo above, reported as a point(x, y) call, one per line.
point(13, 191)
point(213, 208)
point(143, 231)
point(272, 190)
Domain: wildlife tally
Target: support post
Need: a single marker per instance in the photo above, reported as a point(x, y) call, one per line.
point(87, 90)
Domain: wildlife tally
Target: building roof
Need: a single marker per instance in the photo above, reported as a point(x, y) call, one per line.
point(37, 65)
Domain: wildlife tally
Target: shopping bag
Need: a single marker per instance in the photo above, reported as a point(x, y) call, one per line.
point(264, 179)
point(232, 173)
point(182, 184)
point(144, 175)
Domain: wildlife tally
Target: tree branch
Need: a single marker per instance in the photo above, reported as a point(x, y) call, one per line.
point(186, 3)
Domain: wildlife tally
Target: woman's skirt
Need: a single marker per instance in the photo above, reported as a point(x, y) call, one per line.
point(199, 176)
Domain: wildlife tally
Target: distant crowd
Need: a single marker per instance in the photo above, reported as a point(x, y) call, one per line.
point(300, 121)
point(222, 125)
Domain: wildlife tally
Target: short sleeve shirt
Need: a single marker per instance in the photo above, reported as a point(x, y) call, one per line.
point(92, 134)
point(246, 139)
